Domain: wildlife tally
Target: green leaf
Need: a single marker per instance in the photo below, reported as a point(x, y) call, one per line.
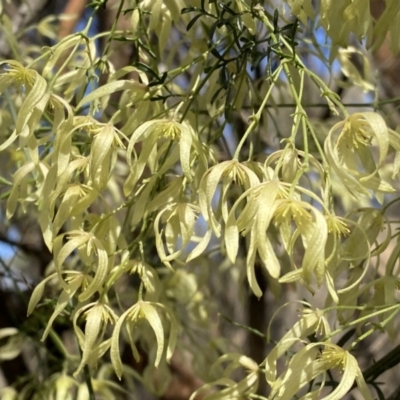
point(108, 89)
point(190, 9)
point(38, 293)
point(193, 21)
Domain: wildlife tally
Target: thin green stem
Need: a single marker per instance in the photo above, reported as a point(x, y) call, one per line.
point(305, 105)
point(256, 117)
point(363, 318)
point(111, 213)
point(89, 384)
point(114, 25)
point(83, 34)
point(384, 209)
point(193, 96)
point(59, 344)
point(63, 66)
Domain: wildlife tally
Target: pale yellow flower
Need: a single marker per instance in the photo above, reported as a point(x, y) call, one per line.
point(92, 343)
point(308, 364)
point(150, 133)
point(144, 310)
point(228, 174)
point(178, 232)
point(348, 149)
point(312, 228)
point(232, 389)
point(31, 109)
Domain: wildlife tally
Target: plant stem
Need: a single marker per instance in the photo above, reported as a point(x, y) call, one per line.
point(88, 380)
point(114, 25)
point(387, 362)
point(256, 118)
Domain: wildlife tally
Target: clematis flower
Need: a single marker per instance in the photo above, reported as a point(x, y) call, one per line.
point(149, 277)
point(62, 386)
point(308, 364)
point(162, 16)
point(337, 226)
point(180, 221)
point(72, 283)
point(32, 107)
point(16, 73)
point(348, 149)
point(53, 188)
point(312, 321)
point(103, 153)
point(232, 389)
point(135, 90)
point(172, 132)
point(14, 344)
point(144, 310)
point(172, 194)
point(22, 185)
point(90, 248)
point(98, 316)
point(9, 393)
point(269, 203)
point(312, 228)
point(255, 219)
point(228, 173)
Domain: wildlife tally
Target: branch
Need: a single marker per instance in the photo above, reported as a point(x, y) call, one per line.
point(387, 362)
point(22, 246)
point(395, 395)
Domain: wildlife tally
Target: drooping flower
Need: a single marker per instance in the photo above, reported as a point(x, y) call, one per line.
point(144, 310)
point(232, 389)
point(255, 219)
point(31, 109)
point(312, 321)
point(92, 252)
point(171, 132)
point(311, 227)
point(92, 342)
point(228, 173)
point(180, 219)
point(308, 364)
point(348, 149)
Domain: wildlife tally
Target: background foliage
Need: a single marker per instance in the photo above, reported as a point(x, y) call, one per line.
point(199, 200)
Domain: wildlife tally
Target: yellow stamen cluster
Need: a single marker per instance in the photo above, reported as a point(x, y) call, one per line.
point(22, 76)
point(235, 172)
point(289, 209)
point(170, 130)
point(336, 225)
point(334, 357)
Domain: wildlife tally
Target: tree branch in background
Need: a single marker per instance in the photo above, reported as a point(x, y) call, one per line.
point(73, 11)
